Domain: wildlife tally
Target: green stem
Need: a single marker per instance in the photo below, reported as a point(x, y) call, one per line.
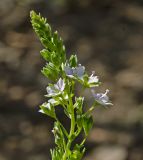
point(72, 129)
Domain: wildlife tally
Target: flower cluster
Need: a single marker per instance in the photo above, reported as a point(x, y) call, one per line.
point(75, 72)
point(79, 74)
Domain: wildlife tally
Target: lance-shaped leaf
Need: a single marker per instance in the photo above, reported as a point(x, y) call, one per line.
point(73, 61)
point(87, 123)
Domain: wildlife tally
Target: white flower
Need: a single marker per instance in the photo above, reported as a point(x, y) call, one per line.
point(56, 89)
point(41, 111)
point(93, 79)
point(75, 71)
point(102, 98)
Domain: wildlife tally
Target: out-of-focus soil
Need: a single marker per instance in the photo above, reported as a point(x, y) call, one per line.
point(108, 38)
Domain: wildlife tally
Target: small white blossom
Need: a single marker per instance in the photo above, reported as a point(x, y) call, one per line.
point(41, 111)
point(102, 98)
point(56, 89)
point(93, 79)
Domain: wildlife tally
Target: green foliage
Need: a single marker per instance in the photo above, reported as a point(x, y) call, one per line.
point(73, 61)
point(64, 74)
point(87, 123)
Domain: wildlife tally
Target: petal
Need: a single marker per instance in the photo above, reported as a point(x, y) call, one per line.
point(52, 101)
point(93, 79)
point(41, 111)
point(61, 84)
point(56, 86)
point(104, 98)
point(79, 71)
point(50, 89)
point(68, 70)
point(71, 76)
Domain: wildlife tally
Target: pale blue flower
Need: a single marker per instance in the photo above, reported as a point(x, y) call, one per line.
point(102, 98)
point(77, 72)
point(56, 89)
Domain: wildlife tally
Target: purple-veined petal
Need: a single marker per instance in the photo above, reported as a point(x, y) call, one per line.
point(79, 71)
point(61, 84)
point(56, 89)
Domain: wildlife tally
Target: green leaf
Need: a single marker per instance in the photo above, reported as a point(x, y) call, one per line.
point(51, 71)
point(79, 122)
point(77, 152)
point(79, 104)
point(73, 61)
point(55, 59)
point(76, 155)
point(46, 54)
point(87, 122)
point(56, 153)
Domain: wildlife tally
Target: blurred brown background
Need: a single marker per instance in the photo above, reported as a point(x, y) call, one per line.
point(107, 36)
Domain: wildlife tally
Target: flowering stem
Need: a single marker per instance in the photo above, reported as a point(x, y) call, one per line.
point(66, 72)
